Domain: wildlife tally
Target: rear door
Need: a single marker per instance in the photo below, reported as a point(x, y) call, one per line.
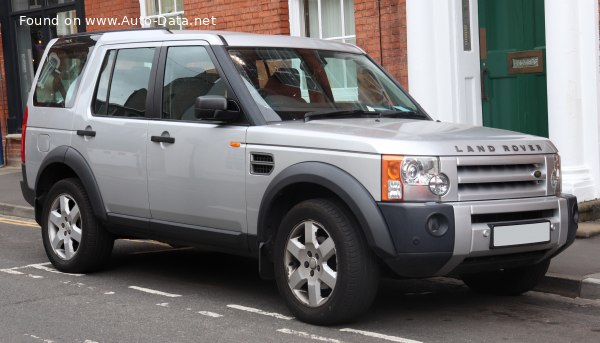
point(112, 135)
point(197, 179)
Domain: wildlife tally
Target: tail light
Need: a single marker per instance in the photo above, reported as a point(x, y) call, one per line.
point(24, 134)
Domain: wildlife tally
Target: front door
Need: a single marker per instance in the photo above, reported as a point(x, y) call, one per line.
point(196, 176)
point(513, 68)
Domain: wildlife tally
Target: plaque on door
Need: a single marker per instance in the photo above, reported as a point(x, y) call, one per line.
point(525, 62)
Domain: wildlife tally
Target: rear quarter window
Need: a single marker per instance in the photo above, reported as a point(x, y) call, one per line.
point(61, 72)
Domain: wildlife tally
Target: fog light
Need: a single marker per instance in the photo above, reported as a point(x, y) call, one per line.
point(439, 184)
point(437, 225)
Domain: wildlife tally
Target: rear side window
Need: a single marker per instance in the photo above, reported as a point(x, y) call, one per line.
point(122, 87)
point(61, 72)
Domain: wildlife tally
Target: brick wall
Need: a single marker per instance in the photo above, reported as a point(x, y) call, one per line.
point(110, 9)
point(259, 16)
point(381, 32)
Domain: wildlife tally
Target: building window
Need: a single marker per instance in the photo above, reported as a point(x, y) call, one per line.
point(329, 19)
point(162, 13)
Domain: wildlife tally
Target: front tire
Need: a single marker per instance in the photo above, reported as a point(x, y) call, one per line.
point(509, 281)
point(324, 270)
point(73, 239)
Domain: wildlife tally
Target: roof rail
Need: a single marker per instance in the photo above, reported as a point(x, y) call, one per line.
point(90, 33)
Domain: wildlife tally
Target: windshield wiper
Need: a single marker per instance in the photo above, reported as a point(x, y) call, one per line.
point(403, 114)
point(340, 114)
point(363, 114)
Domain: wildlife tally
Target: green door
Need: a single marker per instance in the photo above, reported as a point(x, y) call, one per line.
point(513, 68)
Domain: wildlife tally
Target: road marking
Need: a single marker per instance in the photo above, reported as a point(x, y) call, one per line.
point(19, 222)
point(257, 311)
point(152, 291)
point(380, 336)
point(35, 276)
point(163, 304)
point(39, 266)
point(109, 293)
point(42, 266)
point(11, 271)
point(309, 335)
point(592, 280)
point(148, 242)
point(210, 314)
point(39, 338)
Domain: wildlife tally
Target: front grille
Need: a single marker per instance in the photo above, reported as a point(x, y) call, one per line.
point(261, 163)
point(511, 216)
point(501, 177)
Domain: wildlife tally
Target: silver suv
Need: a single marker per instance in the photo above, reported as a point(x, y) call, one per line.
point(301, 153)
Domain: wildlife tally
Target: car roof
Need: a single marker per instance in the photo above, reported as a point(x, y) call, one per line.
point(225, 38)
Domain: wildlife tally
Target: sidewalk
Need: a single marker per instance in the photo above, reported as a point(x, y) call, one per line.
point(574, 273)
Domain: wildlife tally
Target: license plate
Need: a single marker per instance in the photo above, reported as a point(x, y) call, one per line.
point(521, 234)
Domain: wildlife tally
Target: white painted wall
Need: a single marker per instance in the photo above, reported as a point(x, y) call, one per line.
point(443, 77)
point(572, 50)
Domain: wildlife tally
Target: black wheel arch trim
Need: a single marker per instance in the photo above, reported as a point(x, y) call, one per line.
point(74, 160)
point(346, 187)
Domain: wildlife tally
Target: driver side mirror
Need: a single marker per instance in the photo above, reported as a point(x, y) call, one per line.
point(214, 108)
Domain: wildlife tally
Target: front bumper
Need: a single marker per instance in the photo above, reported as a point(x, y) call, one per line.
point(465, 246)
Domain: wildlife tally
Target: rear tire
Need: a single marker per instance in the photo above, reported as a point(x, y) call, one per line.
point(324, 270)
point(74, 240)
point(507, 282)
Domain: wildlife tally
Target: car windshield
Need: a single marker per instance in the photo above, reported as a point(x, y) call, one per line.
point(289, 83)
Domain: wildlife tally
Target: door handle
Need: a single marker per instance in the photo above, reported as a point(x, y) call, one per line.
point(163, 139)
point(88, 133)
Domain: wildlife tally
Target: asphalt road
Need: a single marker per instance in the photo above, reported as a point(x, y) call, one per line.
point(154, 293)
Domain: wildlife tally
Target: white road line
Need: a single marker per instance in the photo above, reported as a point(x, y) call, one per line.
point(163, 304)
point(42, 266)
point(309, 335)
point(11, 271)
point(380, 336)
point(257, 311)
point(210, 314)
point(148, 242)
point(152, 291)
point(592, 280)
point(35, 276)
point(109, 293)
point(39, 338)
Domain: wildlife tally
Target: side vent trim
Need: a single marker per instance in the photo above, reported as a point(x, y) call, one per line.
point(261, 163)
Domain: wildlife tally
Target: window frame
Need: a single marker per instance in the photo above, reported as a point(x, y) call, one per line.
point(146, 18)
point(150, 103)
point(298, 27)
point(157, 91)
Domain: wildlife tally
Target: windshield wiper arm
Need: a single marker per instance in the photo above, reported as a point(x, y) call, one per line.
point(340, 114)
point(402, 114)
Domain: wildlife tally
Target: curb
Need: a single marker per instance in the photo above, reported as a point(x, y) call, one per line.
point(17, 211)
point(587, 287)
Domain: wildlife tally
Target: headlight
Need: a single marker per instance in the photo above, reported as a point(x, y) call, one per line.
point(412, 178)
point(556, 178)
